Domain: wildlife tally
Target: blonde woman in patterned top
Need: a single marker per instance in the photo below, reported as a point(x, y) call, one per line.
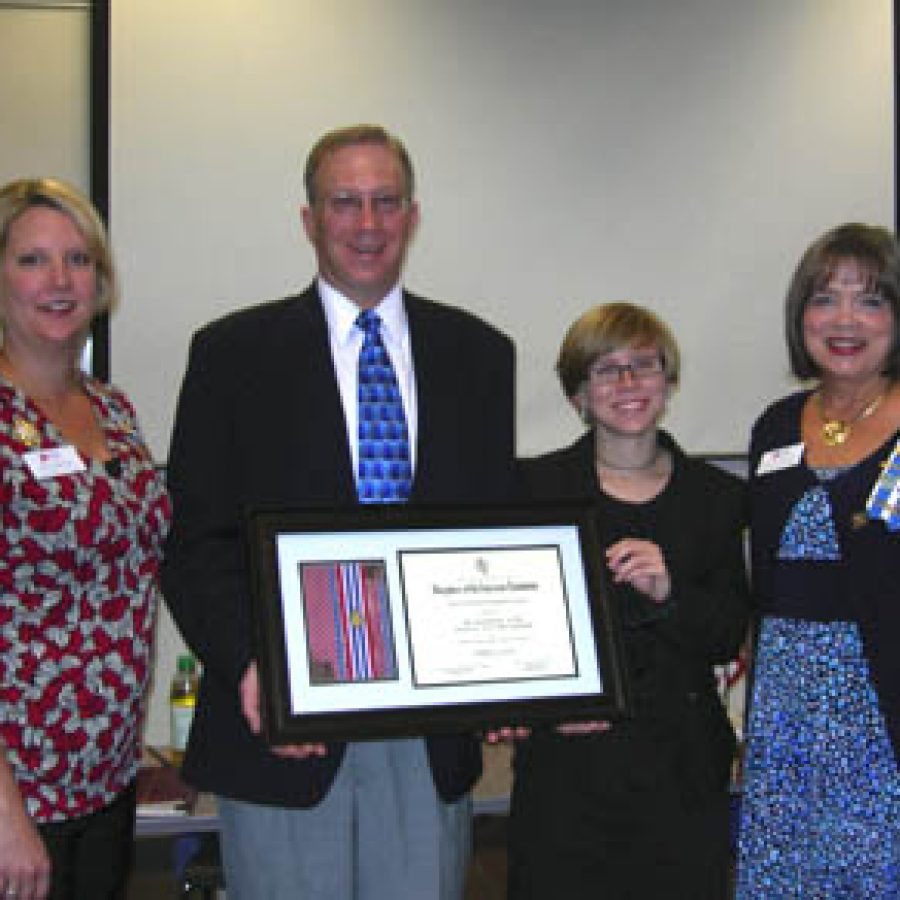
point(84, 514)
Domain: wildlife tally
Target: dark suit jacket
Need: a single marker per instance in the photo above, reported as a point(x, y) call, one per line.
point(679, 736)
point(260, 423)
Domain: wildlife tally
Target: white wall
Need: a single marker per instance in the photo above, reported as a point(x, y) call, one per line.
point(679, 154)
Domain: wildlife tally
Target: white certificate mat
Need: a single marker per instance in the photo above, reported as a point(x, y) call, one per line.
point(402, 623)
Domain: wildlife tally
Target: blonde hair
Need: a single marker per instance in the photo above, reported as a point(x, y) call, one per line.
point(27, 193)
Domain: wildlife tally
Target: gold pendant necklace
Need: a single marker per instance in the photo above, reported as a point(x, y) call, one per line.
point(836, 431)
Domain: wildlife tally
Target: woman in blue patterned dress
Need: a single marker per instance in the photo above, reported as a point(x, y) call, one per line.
point(821, 808)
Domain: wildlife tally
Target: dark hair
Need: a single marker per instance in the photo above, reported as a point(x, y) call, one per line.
point(351, 136)
point(607, 328)
point(876, 251)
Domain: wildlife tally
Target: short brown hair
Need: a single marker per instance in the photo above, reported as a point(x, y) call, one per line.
point(876, 251)
point(26, 193)
point(351, 136)
point(607, 328)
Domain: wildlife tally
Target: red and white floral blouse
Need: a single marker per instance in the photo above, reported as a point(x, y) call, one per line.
point(79, 555)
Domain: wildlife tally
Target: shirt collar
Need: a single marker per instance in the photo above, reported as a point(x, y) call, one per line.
point(341, 313)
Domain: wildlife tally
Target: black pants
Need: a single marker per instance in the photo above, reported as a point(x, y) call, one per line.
point(583, 828)
point(92, 856)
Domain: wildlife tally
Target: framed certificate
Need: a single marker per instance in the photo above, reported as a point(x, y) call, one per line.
point(391, 621)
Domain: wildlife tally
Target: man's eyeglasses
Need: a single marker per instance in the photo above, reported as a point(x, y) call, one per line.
point(349, 205)
point(641, 368)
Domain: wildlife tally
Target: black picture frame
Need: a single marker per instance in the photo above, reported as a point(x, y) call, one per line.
point(468, 619)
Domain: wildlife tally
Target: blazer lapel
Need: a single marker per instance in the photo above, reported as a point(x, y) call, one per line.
point(321, 418)
point(426, 366)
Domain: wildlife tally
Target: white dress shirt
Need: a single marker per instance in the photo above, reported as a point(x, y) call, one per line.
point(346, 341)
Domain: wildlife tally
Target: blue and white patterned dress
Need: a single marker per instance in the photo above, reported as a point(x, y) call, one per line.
point(821, 806)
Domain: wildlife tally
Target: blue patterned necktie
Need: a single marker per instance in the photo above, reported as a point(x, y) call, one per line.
point(384, 470)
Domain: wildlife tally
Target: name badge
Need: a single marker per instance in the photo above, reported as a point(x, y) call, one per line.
point(50, 462)
point(780, 458)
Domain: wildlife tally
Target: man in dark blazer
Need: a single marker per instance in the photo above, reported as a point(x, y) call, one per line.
point(268, 415)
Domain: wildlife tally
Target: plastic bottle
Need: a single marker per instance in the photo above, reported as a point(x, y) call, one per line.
point(182, 703)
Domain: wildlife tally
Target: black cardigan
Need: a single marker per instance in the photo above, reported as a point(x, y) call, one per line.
point(863, 586)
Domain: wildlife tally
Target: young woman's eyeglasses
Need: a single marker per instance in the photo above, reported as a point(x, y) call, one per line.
point(640, 368)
